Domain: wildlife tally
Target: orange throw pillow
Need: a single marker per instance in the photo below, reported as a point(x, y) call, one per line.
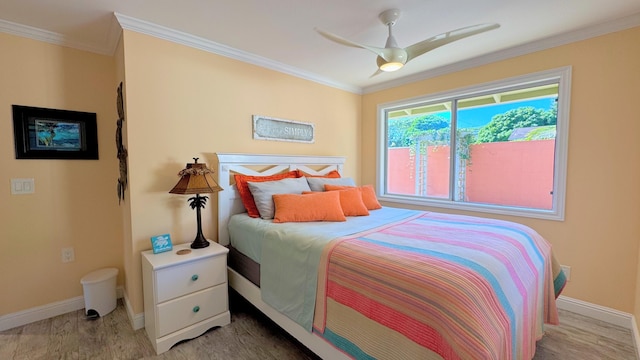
point(317, 206)
point(368, 195)
point(330, 174)
point(245, 193)
point(350, 201)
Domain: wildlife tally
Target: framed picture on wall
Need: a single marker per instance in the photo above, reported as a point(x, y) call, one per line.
point(41, 133)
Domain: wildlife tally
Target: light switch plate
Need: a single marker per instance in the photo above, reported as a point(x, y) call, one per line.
point(22, 186)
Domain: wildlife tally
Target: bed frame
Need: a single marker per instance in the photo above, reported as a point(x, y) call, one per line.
point(229, 203)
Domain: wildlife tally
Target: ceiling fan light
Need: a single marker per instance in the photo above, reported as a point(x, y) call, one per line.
point(391, 59)
point(391, 66)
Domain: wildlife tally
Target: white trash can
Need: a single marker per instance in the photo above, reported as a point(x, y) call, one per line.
point(99, 292)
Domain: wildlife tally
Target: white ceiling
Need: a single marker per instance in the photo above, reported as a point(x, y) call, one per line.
point(280, 33)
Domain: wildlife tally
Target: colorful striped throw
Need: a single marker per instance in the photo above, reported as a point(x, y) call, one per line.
point(438, 286)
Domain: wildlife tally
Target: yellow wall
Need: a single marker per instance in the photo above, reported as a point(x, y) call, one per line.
point(600, 236)
point(184, 103)
point(636, 310)
point(75, 202)
point(125, 206)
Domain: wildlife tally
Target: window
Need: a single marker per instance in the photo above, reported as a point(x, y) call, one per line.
point(498, 147)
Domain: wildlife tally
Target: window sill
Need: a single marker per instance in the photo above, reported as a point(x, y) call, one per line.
point(555, 215)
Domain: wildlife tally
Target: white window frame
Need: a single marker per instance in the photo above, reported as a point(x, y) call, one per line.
point(561, 75)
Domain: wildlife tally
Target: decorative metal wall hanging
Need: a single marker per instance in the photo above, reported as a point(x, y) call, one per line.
point(122, 151)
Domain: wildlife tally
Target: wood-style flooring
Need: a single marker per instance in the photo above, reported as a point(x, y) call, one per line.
point(252, 336)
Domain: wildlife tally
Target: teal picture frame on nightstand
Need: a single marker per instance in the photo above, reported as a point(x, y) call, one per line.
point(161, 243)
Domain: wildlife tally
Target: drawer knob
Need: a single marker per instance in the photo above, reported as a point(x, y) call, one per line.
point(194, 277)
point(196, 309)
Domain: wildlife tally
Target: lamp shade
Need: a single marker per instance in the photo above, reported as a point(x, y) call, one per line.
point(196, 178)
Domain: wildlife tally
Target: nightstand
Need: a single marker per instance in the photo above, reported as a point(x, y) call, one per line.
point(184, 295)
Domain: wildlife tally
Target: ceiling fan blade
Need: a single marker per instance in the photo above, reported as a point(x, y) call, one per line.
point(431, 43)
point(378, 72)
point(343, 41)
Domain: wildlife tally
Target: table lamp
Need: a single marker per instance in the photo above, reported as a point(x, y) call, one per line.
point(196, 179)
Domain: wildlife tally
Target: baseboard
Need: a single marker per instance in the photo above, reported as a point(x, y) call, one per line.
point(597, 312)
point(136, 320)
point(608, 315)
point(38, 313)
point(636, 335)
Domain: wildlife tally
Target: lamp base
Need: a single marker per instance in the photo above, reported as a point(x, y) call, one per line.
point(199, 243)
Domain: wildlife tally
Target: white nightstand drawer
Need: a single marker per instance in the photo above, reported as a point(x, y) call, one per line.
point(185, 293)
point(187, 310)
point(175, 281)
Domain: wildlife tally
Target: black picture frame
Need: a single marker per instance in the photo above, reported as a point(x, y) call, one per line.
point(41, 133)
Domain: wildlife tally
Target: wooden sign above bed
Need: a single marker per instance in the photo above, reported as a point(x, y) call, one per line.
point(266, 128)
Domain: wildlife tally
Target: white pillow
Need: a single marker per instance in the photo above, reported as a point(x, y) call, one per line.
point(317, 183)
point(263, 193)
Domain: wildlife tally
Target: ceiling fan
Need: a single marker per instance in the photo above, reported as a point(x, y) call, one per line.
point(391, 57)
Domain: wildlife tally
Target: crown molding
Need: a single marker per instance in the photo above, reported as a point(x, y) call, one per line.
point(121, 21)
point(539, 45)
point(113, 36)
point(145, 27)
point(107, 48)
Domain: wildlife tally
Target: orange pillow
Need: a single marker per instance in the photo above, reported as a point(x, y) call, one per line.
point(330, 174)
point(350, 201)
point(368, 195)
point(318, 206)
point(245, 193)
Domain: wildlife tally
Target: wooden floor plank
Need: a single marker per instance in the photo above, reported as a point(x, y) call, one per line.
point(33, 341)
point(92, 338)
point(123, 341)
point(9, 342)
point(63, 341)
point(252, 336)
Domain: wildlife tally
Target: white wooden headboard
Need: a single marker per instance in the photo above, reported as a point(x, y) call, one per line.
point(229, 202)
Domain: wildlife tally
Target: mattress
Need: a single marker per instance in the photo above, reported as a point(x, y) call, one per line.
point(244, 265)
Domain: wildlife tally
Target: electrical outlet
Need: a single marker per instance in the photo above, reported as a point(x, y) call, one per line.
point(68, 255)
point(567, 271)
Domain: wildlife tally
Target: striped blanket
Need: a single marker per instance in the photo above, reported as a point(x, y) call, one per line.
point(438, 286)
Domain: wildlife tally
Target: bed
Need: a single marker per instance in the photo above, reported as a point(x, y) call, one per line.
point(395, 284)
